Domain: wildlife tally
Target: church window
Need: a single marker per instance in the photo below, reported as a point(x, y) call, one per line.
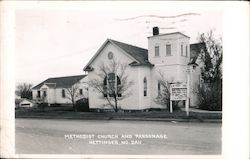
point(145, 86)
point(186, 50)
point(112, 86)
point(110, 55)
point(159, 88)
point(157, 51)
point(168, 50)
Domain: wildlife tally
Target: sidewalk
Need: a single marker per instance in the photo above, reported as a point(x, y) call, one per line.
point(201, 111)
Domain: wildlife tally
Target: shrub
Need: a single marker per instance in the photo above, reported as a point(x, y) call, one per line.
point(42, 106)
point(210, 96)
point(82, 105)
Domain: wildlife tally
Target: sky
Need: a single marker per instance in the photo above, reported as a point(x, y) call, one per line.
point(59, 41)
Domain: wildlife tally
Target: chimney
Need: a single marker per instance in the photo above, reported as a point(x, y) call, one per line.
point(155, 31)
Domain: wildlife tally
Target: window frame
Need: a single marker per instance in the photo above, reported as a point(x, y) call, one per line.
point(117, 84)
point(182, 50)
point(159, 88)
point(44, 93)
point(63, 93)
point(38, 94)
point(145, 87)
point(80, 91)
point(168, 54)
point(157, 47)
point(186, 50)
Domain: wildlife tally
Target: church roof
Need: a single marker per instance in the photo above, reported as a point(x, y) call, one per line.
point(141, 54)
point(60, 82)
point(138, 53)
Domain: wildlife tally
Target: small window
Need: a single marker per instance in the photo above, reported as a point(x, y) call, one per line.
point(168, 50)
point(145, 86)
point(110, 55)
point(157, 51)
point(38, 94)
point(159, 88)
point(186, 50)
point(182, 50)
point(80, 91)
point(44, 93)
point(63, 93)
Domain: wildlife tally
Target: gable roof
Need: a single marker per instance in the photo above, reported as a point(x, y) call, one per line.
point(140, 55)
point(18, 101)
point(169, 34)
point(60, 82)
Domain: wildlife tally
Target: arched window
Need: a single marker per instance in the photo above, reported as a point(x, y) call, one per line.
point(112, 86)
point(119, 87)
point(145, 86)
point(105, 87)
point(159, 88)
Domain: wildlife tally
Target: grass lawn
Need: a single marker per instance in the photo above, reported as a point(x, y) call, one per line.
point(67, 112)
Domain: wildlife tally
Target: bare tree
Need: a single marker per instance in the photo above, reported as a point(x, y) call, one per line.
point(24, 90)
point(112, 83)
point(73, 93)
point(163, 97)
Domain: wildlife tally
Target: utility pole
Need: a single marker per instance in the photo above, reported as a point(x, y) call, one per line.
point(188, 90)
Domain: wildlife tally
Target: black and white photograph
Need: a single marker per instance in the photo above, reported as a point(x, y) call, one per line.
point(118, 80)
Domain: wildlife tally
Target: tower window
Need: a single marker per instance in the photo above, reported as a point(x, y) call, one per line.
point(182, 50)
point(168, 50)
point(157, 51)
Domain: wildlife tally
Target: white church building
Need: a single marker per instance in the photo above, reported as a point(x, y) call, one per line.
point(169, 54)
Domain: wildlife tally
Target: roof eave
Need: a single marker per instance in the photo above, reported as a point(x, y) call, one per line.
point(169, 34)
point(141, 64)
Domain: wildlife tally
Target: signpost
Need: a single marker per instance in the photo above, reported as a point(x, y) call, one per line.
point(180, 91)
point(188, 70)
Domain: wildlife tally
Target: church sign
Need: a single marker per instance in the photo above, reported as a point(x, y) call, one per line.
point(178, 91)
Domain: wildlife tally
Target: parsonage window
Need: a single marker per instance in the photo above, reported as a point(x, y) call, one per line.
point(145, 86)
point(44, 93)
point(38, 94)
point(112, 86)
point(63, 93)
point(157, 51)
point(80, 91)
